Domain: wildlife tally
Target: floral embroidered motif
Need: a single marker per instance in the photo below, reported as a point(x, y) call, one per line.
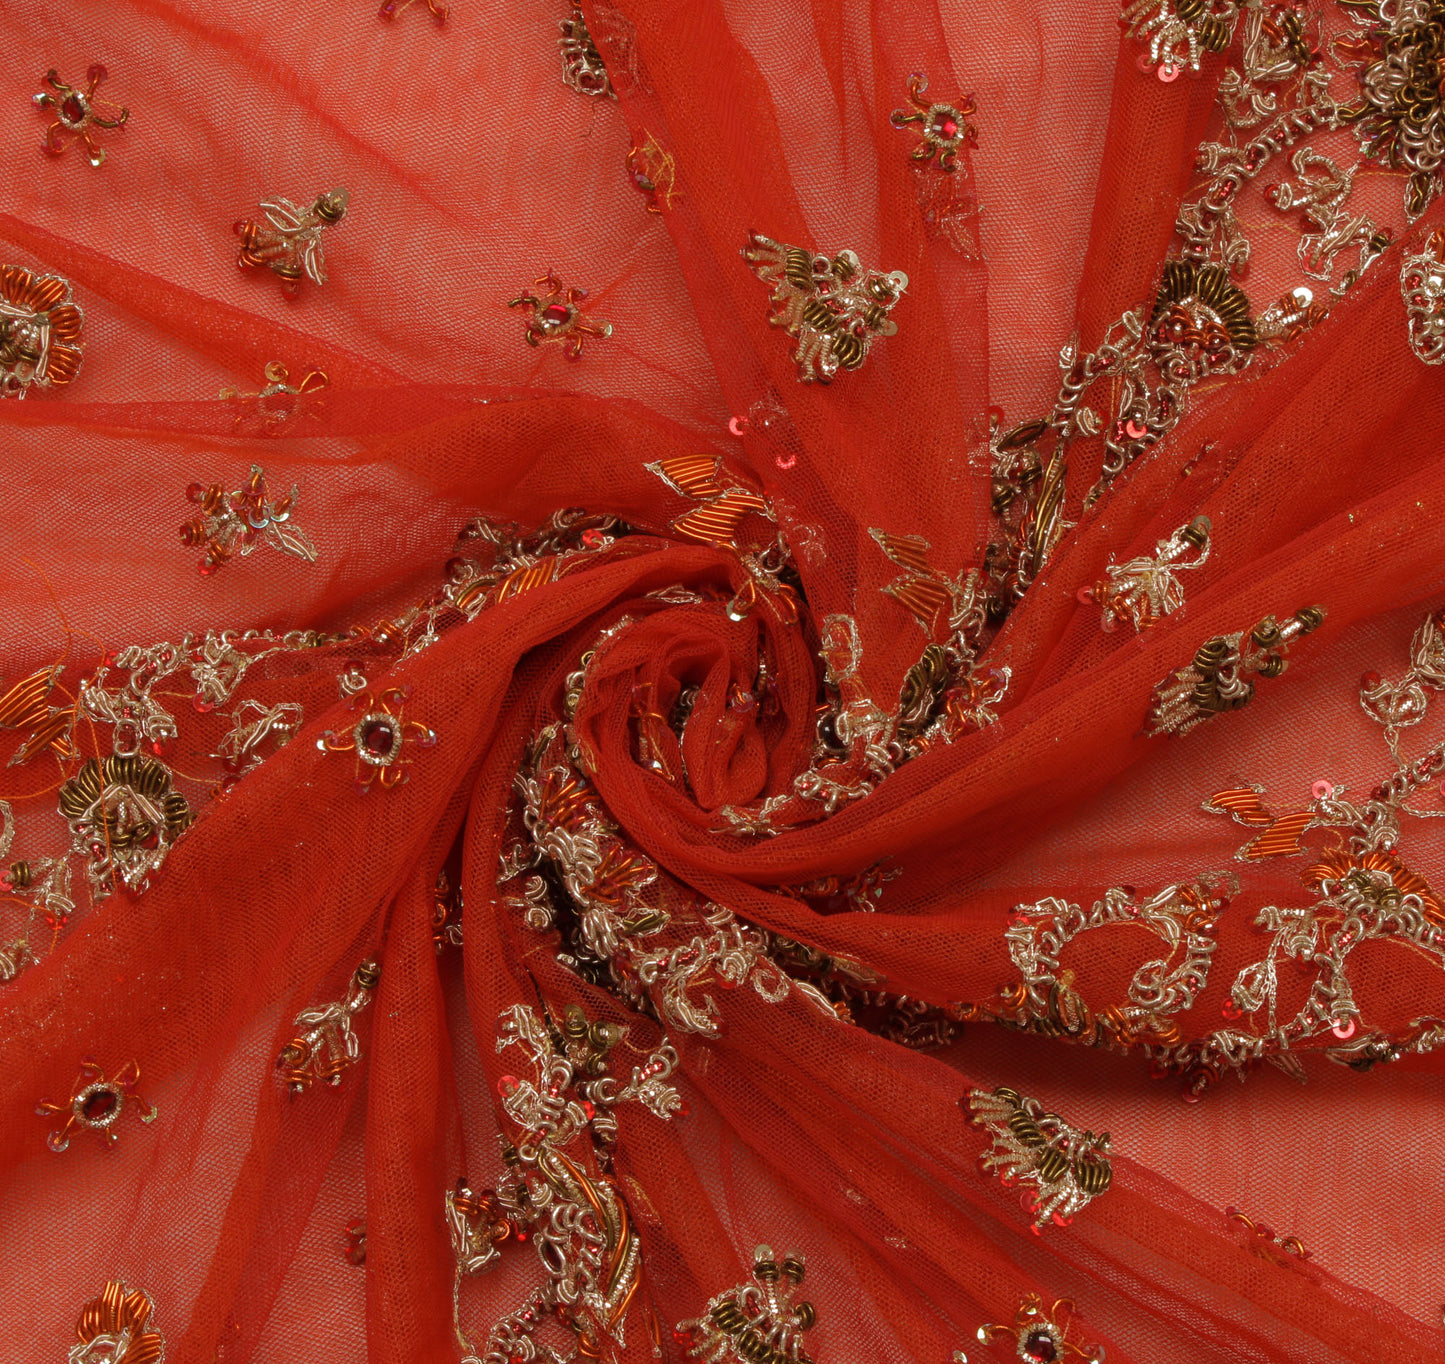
point(125, 814)
point(1177, 30)
point(556, 317)
point(1422, 286)
point(124, 805)
point(654, 173)
point(40, 332)
point(1362, 892)
point(1275, 103)
point(832, 307)
point(582, 66)
point(1218, 679)
point(1039, 1337)
point(1063, 1169)
point(391, 8)
point(117, 1328)
point(236, 524)
point(755, 1323)
point(943, 128)
point(949, 210)
point(377, 738)
point(95, 1103)
point(1145, 590)
point(289, 242)
point(75, 114)
point(278, 401)
point(556, 1189)
point(1401, 120)
point(325, 1046)
point(1366, 895)
point(1200, 324)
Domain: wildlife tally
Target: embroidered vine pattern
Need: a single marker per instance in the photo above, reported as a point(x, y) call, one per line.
point(1185, 918)
point(572, 870)
point(1291, 85)
point(557, 1189)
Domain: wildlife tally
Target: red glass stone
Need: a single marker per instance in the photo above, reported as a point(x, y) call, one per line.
point(99, 1105)
point(1369, 681)
point(378, 738)
point(945, 125)
point(72, 109)
point(1039, 1344)
point(556, 314)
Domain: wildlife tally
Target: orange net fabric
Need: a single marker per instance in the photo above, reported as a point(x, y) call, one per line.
point(722, 682)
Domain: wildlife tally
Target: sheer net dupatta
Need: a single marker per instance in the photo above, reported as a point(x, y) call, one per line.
point(606, 856)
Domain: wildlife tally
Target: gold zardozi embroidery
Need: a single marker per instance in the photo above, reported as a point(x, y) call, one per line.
point(325, 1047)
point(1144, 590)
point(40, 332)
point(831, 306)
point(289, 242)
point(118, 1328)
point(1422, 286)
point(1063, 1169)
point(76, 114)
point(236, 524)
point(556, 316)
point(95, 1103)
point(1220, 677)
point(756, 1323)
point(1038, 1337)
point(557, 1189)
